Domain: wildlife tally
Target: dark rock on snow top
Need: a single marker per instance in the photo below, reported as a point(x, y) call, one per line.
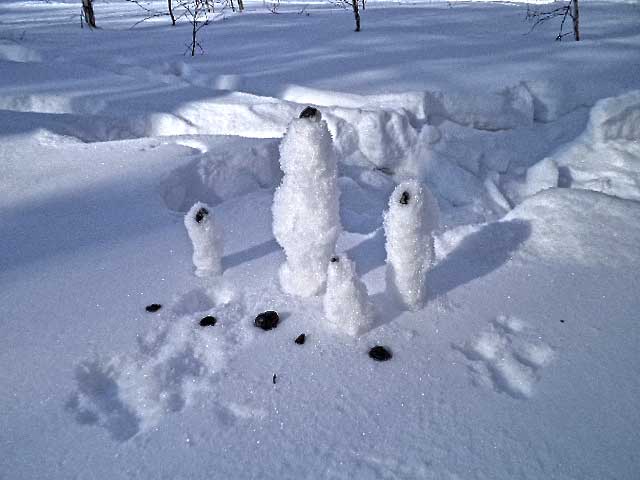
point(301, 338)
point(200, 214)
point(154, 307)
point(312, 113)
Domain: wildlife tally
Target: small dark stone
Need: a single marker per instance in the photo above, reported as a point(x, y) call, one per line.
point(154, 307)
point(275, 377)
point(380, 353)
point(404, 198)
point(335, 259)
point(301, 338)
point(561, 321)
point(267, 320)
point(310, 112)
point(200, 214)
point(208, 321)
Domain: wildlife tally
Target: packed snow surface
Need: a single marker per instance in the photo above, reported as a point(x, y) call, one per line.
point(521, 360)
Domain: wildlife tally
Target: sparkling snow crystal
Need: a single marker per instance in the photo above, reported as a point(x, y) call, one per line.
point(346, 303)
point(306, 221)
point(408, 224)
point(206, 238)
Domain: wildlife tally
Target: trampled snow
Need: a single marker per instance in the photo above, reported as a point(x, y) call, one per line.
point(523, 361)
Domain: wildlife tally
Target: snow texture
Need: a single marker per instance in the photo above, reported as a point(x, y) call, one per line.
point(541, 176)
point(346, 303)
point(306, 221)
point(616, 118)
point(508, 356)
point(206, 239)
point(409, 223)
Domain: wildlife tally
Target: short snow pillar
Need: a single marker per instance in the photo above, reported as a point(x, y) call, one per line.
point(206, 238)
point(409, 223)
point(347, 307)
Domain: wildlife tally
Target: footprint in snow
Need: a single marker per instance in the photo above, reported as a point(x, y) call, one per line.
point(178, 359)
point(508, 356)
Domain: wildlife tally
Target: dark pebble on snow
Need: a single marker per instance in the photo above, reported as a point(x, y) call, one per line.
point(301, 338)
point(561, 321)
point(379, 353)
point(200, 214)
point(208, 321)
point(404, 198)
point(154, 307)
point(267, 320)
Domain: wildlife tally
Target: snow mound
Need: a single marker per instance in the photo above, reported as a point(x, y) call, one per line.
point(346, 304)
point(128, 394)
point(235, 167)
point(616, 118)
point(606, 157)
point(580, 227)
point(383, 137)
point(507, 109)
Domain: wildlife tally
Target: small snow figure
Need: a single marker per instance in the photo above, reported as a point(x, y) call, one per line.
point(306, 221)
point(346, 304)
point(206, 239)
point(409, 223)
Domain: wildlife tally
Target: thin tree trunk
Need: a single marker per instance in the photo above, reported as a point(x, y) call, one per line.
point(356, 13)
point(87, 10)
point(576, 20)
point(240, 5)
point(194, 33)
point(173, 18)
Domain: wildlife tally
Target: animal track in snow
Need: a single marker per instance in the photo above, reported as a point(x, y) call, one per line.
point(508, 356)
point(127, 394)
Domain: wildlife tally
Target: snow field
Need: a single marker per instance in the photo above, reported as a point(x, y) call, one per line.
point(521, 362)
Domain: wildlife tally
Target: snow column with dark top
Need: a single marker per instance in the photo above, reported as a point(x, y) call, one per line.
point(206, 238)
point(306, 221)
point(347, 307)
point(409, 223)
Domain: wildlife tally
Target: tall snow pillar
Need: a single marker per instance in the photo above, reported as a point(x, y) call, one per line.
point(306, 219)
point(409, 223)
point(347, 307)
point(206, 238)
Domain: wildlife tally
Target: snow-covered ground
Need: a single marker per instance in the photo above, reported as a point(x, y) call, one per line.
point(522, 364)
